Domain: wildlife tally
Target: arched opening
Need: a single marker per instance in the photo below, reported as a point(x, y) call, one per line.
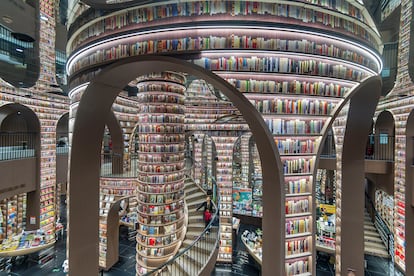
point(19, 148)
point(84, 174)
point(384, 136)
point(62, 150)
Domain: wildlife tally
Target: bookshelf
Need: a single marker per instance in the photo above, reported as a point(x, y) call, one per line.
point(224, 177)
point(384, 204)
point(161, 149)
point(112, 191)
point(297, 79)
point(13, 216)
point(345, 19)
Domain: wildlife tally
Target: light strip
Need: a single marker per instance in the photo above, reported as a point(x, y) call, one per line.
point(278, 77)
point(83, 52)
point(77, 89)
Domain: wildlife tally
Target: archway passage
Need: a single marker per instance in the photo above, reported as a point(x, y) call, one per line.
point(86, 148)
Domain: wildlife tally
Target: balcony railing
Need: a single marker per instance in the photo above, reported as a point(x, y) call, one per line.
point(62, 150)
point(17, 145)
point(114, 165)
point(379, 147)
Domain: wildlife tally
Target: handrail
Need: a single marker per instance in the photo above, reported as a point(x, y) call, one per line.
point(201, 236)
point(389, 236)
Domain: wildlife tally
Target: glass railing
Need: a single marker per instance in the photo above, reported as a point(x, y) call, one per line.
point(199, 251)
point(15, 51)
point(17, 145)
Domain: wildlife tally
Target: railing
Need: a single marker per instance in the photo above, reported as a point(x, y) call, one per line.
point(195, 251)
point(13, 50)
point(386, 235)
point(61, 150)
point(379, 147)
point(114, 165)
point(17, 145)
point(328, 147)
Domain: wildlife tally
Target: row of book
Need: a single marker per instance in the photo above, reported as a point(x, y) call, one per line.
point(159, 98)
point(298, 246)
point(160, 179)
point(155, 86)
point(161, 158)
point(296, 206)
point(161, 128)
point(298, 166)
point(297, 226)
point(296, 146)
point(274, 64)
point(161, 118)
point(157, 168)
point(294, 126)
point(293, 106)
point(161, 148)
point(161, 198)
point(205, 9)
point(318, 88)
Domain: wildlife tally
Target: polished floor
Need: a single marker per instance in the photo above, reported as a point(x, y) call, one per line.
point(243, 264)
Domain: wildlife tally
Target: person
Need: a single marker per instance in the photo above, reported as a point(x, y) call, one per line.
point(207, 211)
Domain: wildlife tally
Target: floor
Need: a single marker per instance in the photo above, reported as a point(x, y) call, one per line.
point(243, 264)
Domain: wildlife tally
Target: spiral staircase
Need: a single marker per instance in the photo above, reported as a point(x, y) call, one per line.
point(198, 252)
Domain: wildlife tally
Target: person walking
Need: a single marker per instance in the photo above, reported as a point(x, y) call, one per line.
point(207, 211)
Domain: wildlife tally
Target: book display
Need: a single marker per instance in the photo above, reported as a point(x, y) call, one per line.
point(384, 204)
point(47, 53)
point(207, 163)
point(296, 78)
point(13, 216)
point(112, 190)
point(242, 189)
point(224, 178)
point(161, 149)
point(254, 242)
point(256, 179)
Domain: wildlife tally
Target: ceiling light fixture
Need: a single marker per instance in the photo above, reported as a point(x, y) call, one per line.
point(7, 19)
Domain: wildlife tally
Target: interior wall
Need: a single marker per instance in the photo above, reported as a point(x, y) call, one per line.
point(362, 106)
point(409, 197)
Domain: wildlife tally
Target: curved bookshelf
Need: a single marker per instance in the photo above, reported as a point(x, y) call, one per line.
point(160, 140)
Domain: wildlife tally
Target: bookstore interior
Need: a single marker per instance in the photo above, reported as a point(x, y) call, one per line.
point(203, 128)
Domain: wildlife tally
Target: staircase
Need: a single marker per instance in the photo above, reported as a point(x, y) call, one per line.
point(373, 245)
point(192, 262)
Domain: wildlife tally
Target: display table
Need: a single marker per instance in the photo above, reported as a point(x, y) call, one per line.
point(25, 251)
point(253, 242)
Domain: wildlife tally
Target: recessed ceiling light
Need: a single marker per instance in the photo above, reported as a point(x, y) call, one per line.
point(7, 19)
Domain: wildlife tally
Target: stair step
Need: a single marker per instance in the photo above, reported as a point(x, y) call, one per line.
point(376, 239)
point(194, 204)
point(370, 227)
point(192, 235)
point(191, 190)
point(194, 197)
point(369, 244)
point(376, 252)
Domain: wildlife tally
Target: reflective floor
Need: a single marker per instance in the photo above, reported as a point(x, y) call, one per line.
point(243, 264)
